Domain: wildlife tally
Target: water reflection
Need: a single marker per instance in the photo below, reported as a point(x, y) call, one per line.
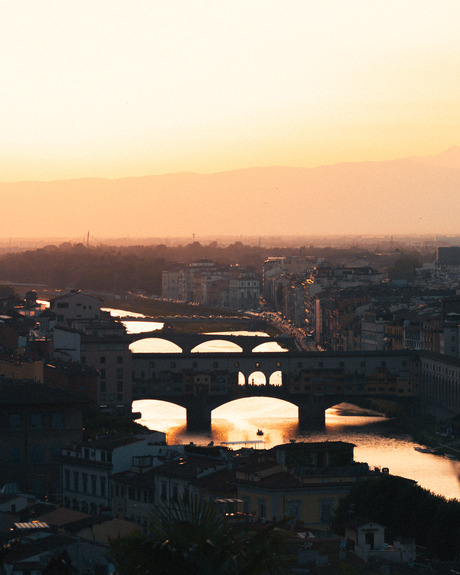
point(142, 326)
point(372, 435)
point(121, 312)
point(154, 345)
point(217, 345)
point(376, 442)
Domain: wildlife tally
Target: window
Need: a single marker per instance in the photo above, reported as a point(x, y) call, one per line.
point(57, 421)
point(36, 420)
point(37, 454)
point(102, 372)
point(84, 481)
point(102, 484)
point(102, 359)
point(15, 422)
point(294, 509)
point(325, 510)
point(119, 373)
point(261, 507)
point(15, 454)
point(163, 490)
point(119, 359)
point(75, 480)
point(93, 484)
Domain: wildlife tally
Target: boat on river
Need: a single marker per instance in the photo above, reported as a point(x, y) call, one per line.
point(425, 450)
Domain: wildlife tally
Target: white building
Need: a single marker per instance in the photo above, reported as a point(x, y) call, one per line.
point(76, 306)
point(86, 468)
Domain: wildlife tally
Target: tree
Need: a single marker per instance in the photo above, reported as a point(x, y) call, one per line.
point(404, 507)
point(191, 537)
point(60, 564)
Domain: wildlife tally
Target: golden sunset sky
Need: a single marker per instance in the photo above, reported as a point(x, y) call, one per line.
point(115, 88)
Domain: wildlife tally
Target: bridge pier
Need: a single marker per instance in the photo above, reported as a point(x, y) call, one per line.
point(198, 415)
point(312, 414)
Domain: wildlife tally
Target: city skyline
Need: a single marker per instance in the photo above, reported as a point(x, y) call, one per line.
point(116, 89)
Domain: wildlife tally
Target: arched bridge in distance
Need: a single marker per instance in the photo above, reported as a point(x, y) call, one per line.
point(313, 381)
point(188, 342)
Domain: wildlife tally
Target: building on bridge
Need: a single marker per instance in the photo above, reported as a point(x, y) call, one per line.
point(314, 381)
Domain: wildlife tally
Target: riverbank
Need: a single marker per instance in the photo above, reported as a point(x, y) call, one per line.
point(439, 432)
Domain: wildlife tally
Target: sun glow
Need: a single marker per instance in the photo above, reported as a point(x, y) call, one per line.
point(110, 90)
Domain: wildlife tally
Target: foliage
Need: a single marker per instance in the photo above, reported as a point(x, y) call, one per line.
point(192, 537)
point(60, 564)
point(6, 291)
point(406, 510)
point(95, 423)
point(128, 268)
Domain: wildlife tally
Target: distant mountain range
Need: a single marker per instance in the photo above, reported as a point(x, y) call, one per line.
point(415, 195)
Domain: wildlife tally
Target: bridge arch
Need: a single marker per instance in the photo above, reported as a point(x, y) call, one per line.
point(154, 345)
point(269, 346)
point(217, 345)
point(276, 378)
point(257, 378)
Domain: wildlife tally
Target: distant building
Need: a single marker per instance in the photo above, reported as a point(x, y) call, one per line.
point(448, 255)
point(75, 306)
point(244, 292)
point(206, 283)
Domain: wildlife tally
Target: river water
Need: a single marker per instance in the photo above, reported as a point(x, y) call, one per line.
point(375, 440)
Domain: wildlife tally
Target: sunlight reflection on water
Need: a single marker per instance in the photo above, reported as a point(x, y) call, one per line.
point(239, 420)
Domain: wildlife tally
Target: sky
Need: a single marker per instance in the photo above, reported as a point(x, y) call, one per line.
point(118, 88)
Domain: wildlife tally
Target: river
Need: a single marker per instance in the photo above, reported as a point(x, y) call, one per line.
point(377, 443)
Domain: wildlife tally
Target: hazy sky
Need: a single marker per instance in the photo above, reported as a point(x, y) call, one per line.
point(115, 88)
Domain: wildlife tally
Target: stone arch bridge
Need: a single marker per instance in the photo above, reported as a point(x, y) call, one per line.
point(188, 342)
point(313, 381)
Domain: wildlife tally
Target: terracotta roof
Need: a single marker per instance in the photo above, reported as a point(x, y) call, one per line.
point(62, 516)
point(187, 467)
point(222, 481)
point(313, 445)
point(110, 442)
point(255, 465)
point(21, 393)
point(145, 479)
point(282, 480)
